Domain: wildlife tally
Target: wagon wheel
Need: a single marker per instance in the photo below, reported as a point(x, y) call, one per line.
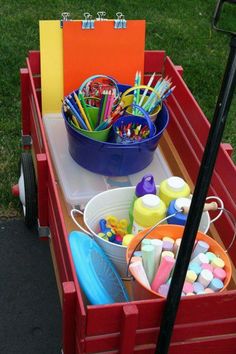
point(28, 189)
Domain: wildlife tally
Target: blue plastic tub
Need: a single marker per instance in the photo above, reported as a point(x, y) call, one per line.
point(112, 159)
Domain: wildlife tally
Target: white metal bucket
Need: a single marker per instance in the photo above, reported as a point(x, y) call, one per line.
point(117, 202)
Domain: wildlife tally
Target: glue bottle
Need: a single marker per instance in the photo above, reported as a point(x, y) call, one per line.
point(145, 186)
point(148, 210)
point(177, 205)
point(173, 188)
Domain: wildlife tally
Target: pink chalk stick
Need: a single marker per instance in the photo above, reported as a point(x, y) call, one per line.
point(137, 270)
point(219, 273)
point(163, 272)
point(188, 287)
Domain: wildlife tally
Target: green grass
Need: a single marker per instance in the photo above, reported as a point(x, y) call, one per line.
point(182, 28)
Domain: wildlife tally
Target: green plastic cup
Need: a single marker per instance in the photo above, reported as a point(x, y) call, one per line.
point(99, 135)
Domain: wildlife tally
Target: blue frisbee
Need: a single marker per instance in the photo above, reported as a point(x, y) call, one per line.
point(96, 274)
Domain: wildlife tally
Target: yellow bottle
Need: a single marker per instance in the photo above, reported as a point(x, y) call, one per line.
point(148, 210)
point(173, 188)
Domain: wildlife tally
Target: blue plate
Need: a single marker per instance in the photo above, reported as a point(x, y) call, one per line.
point(96, 274)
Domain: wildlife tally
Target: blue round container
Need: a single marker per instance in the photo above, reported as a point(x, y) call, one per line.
point(113, 159)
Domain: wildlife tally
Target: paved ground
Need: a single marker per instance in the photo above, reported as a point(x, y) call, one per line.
point(30, 316)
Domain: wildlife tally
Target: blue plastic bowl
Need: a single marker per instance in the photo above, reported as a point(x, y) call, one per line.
point(113, 159)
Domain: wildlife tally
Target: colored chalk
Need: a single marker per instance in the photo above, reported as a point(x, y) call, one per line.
point(157, 244)
point(138, 272)
point(218, 263)
point(136, 259)
point(211, 256)
point(169, 239)
point(200, 258)
point(163, 289)
point(198, 288)
point(168, 254)
point(205, 277)
point(163, 272)
point(167, 246)
point(200, 247)
point(177, 245)
point(138, 253)
point(148, 261)
point(190, 294)
point(207, 266)
point(144, 242)
point(191, 276)
point(208, 291)
point(219, 273)
point(216, 284)
point(195, 267)
point(188, 287)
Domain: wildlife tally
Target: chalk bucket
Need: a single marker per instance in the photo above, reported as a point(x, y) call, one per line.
point(140, 291)
point(117, 202)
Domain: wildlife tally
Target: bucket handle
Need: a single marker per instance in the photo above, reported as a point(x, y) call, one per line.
point(220, 208)
point(133, 88)
point(76, 222)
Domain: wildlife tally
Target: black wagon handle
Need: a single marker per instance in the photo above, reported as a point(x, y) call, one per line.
point(217, 15)
point(199, 195)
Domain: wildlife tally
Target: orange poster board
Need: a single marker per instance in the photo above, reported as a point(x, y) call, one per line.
point(103, 50)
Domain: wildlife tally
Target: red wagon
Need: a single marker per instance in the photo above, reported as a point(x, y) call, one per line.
point(205, 323)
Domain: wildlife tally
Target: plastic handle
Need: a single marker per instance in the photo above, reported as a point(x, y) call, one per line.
point(207, 207)
point(221, 204)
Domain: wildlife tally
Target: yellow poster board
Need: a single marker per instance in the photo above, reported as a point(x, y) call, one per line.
point(51, 63)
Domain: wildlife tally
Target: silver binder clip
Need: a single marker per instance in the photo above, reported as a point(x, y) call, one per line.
point(87, 23)
point(120, 22)
point(65, 17)
point(101, 16)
